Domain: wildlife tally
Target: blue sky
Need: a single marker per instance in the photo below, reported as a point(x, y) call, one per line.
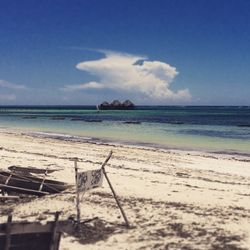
point(194, 52)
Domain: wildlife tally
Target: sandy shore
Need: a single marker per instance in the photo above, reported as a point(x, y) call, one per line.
point(174, 199)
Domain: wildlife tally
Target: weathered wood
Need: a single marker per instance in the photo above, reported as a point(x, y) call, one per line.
point(8, 179)
point(116, 198)
point(78, 211)
point(54, 245)
point(34, 227)
point(21, 190)
point(29, 170)
point(26, 228)
point(107, 159)
point(32, 183)
point(45, 174)
point(8, 231)
point(28, 235)
point(9, 197)
point(113, 191)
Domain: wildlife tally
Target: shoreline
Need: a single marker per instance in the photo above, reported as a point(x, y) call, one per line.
point(113, 142)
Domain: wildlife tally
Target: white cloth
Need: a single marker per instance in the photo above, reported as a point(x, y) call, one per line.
point(89, 179)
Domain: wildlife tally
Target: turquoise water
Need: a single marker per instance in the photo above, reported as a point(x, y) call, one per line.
point(220, 129)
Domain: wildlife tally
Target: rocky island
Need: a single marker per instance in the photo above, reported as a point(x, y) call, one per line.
point(117, 105)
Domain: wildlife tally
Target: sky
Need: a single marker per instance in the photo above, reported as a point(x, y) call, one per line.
point(153, 52)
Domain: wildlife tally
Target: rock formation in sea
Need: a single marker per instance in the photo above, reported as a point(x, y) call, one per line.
point(116, 104)
point(104, 105)
point(128, 104)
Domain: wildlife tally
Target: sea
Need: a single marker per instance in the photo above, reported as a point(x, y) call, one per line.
point(220, 129)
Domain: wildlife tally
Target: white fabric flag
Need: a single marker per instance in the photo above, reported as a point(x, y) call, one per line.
point(89, 179)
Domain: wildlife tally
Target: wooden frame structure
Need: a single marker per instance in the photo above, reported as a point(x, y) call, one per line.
point(30, 236)
point(25, 184)
point(78, 211)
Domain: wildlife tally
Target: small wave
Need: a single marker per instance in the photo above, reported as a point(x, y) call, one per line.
point(93, 120)
point(213, 133)
point(59, 136)
point(77, 119)
point(176, 123)
point(132, 122)
point(244, 125)
point(86, 120)
point(58, 118)
point(29, 117)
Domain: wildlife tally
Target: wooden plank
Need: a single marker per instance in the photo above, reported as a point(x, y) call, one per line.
point(25, 170)
point(34, 227)
point(78, 211)
point(8, 179)
point(8, 233)
point(9, 197)
point(45, 174)
point(22, 190)
point(55, 239)
point(32, 235)
point(25, 228)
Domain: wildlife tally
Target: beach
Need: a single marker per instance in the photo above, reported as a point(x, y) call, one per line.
point(174, 199)
point(125, 125)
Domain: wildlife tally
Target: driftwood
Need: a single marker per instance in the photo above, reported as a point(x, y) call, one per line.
point(26, 184)
point(9, 197)
point(45, 175)
point(31, 170)
point(78, 211)
point(112, 189)
point(8, 189)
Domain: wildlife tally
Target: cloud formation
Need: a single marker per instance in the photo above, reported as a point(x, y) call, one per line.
point(89, 85)
point(131, 73)
point(7, 97)
point(9, 85)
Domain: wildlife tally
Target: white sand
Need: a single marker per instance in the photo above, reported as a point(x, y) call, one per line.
point(174, 199)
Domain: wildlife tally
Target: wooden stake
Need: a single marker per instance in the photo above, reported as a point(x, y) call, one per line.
point(8, 231)
point(78, 212)
point(54, 237)
point(107, 159)
point(45, 174)
point(8, 179)
point(113, 191)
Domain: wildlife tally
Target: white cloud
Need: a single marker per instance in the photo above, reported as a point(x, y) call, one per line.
point(131, 73)
point(9, 85)
point(7, 97)
point(89, 85)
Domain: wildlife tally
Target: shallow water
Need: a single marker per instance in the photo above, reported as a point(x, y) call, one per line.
point(224, 129)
